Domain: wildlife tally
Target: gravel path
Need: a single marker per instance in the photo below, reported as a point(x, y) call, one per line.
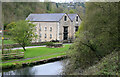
point(27, 47)
point(35, 46)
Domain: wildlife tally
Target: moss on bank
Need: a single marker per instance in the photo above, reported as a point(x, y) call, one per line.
point(107, 66)
point(31, 62)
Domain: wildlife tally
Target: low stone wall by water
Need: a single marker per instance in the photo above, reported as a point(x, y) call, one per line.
point(17, 65)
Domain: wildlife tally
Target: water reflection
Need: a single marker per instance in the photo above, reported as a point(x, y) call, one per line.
point(24, 71)
point(54, 68)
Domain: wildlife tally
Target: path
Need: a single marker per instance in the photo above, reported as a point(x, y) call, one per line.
point(29, 58)
point(28, 47)
point(34, 46)
point(32, 57)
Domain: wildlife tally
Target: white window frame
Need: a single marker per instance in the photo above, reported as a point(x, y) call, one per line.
point(77, 18)
point(40, 35)
point(45, 28)
point(50, 29)
point(64, 18)
point(50, 36)
point(45, 35)
point(40, 28)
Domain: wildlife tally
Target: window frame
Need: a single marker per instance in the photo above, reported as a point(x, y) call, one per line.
point(50, 29)
point(50, 36)
point(40, 28)
point(76, 18)
point(40, 35)
point(45, 35)
point(45, 28)
point(65, 18)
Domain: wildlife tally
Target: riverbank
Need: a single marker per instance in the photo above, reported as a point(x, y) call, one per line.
point(52, 68)
point(108, 65)
point(39, 55)
point(32, 63)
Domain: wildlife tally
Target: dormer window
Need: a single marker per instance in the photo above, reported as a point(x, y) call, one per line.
point(65, 18)
point(76, 18)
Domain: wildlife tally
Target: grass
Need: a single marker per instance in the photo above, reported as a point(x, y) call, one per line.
point(7, 42)
point(44, 52)
point(31, 60)
point(107, 66)
point(34, 52)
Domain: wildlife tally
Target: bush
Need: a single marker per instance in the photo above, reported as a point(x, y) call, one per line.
point(54, 41)
point(32, 44)
point(49, 43)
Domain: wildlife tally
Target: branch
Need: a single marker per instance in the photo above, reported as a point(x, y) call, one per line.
point(90, 46)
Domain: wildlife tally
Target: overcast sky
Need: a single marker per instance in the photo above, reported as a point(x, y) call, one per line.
point(65, 0)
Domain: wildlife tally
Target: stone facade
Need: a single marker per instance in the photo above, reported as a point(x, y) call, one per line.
point(64, 29)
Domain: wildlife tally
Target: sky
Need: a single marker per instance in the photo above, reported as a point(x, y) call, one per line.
point(61, 1)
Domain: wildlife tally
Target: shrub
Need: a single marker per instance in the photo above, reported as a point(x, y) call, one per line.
point(49, 43)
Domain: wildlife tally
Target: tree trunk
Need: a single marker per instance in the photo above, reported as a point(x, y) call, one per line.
point(24, 48)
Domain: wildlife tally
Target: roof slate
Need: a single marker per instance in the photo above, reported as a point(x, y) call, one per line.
point(72, 16)
point(49, 17)
point(45, 17)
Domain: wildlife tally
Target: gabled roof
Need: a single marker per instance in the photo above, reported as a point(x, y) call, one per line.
point(72, 16)
point(45, 17)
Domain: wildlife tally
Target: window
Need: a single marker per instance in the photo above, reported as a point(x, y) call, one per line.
point(77, 18)
point(45, 36)
point(76, 28)
point(31, 34)
point(35, 33)
point(51, 29)
point(35, 27)
point(40, 28)
point(40, 35)
point(65, 18)
point(45, 28)
point(39, 40)
point(50, 36)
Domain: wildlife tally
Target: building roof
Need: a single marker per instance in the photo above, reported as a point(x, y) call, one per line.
point(45, 17)
point(72, 16)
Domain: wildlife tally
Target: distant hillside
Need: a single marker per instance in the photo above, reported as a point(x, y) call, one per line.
point(14, 11)
point(17, 11)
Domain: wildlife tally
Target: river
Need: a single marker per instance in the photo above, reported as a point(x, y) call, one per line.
point(53, 68)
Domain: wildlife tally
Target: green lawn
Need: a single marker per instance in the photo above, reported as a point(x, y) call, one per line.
point(40, 51)
point(44, 52)
point(7, 42)
point(4, 65)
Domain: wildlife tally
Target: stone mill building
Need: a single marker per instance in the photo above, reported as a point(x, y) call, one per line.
point(55, 26)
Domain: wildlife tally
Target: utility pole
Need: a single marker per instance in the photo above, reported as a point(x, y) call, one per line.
point(1, 33)
point(2, 27)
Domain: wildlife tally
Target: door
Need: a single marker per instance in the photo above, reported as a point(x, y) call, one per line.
point(65, 33)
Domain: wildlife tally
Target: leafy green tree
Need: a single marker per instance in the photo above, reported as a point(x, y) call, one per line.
point(97, 37)
point(71, 11)
point(21, 32)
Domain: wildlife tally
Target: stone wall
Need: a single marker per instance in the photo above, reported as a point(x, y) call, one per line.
point(57, 29)
point(42, 32)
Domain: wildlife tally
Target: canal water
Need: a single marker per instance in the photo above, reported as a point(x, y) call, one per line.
point(54, 68)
